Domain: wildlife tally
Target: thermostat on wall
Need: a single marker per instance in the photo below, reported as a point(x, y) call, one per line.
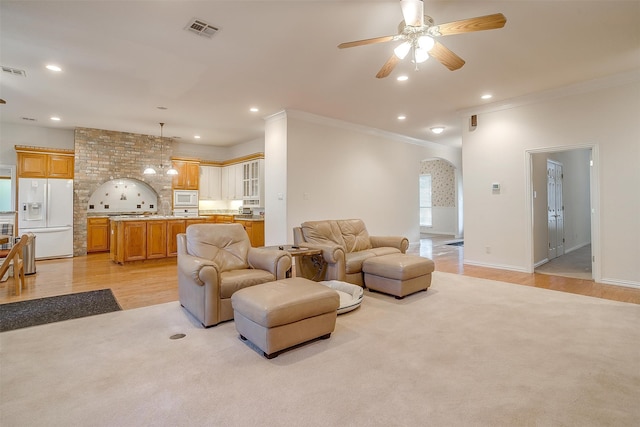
point(495, 187)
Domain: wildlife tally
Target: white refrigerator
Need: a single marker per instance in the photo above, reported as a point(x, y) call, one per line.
point(45, 208)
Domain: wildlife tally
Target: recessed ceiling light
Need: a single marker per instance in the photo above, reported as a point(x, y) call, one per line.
point(402, 78)
point(254, 109)
point(402, 117)
point(197, 136)
point(52, 67)
point(55, 119)
point(437, 129)
point(486, 96)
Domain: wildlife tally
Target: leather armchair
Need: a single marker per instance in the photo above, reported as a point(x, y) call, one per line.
point(216, 260)
point(345, 244)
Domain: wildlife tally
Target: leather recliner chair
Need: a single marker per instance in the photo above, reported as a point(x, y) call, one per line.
point(345, 244)
point(216, 260)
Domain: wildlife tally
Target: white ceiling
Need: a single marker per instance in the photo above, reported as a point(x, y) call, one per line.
point(123, 59)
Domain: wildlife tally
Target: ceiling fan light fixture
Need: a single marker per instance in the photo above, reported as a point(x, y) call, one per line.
point(412, 12)
point(426, 43)
point(420, 55)
point(402, 50)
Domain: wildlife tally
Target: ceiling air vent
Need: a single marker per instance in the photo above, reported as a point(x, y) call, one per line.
point(14, 71)
point(201, 28)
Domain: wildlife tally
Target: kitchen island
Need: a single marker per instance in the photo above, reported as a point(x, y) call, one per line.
point(138, 238)
point(147, 237)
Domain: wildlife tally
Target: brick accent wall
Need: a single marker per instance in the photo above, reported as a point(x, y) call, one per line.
point(102, 155)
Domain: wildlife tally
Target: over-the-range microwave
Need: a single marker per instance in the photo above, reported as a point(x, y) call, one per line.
point(185, 198)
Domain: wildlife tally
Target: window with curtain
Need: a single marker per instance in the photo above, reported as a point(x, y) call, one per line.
point(425, 201)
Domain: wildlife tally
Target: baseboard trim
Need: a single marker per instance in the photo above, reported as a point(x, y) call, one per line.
point(498, 266)
point(624, 283)
point(539, 263)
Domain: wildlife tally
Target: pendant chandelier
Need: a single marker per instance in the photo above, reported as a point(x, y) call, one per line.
point(150, 170)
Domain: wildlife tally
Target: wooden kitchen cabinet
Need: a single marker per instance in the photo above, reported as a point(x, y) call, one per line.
point(60, 166)
point(34, 163)
point(255, 231)
point(134, 240)
point(223, 219)
point(156, 239)
point(97, 234)
point(128, 241)
point(174, 227)
point(188, 175)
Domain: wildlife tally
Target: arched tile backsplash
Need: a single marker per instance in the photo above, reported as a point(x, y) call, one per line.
point(123, 195)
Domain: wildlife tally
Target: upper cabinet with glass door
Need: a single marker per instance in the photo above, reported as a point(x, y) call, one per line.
point(253, 183)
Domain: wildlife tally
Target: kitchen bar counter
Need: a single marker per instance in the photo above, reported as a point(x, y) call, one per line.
point(137, 238)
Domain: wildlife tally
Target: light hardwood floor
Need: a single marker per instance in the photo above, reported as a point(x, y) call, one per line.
point(154, 282)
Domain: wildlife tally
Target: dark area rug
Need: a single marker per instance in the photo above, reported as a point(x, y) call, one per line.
point(22, 314)
point(456, 244)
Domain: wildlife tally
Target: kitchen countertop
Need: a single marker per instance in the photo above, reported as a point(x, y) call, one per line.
point(150, 217)
point(140, 217)
point(249, 217)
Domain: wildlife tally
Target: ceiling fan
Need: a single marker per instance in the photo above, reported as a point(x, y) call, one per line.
point(418, 32)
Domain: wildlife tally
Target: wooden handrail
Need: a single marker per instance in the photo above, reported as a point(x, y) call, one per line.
point(15, 256)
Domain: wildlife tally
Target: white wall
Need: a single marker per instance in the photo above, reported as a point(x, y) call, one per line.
point(444, 221)
point(335, 170)
point(199, 151)
point(496, 151)
point(31, 135)
point(245, 148)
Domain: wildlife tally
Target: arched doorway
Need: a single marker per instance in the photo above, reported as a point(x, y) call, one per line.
point(440, 198)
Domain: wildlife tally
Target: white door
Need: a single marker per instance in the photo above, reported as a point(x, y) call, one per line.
point(555, 209)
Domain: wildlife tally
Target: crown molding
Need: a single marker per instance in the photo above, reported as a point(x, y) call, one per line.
point(561, 92)
point(327, 121)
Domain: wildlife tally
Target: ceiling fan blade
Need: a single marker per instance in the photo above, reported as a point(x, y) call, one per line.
point(480, 23)
point(388, 67)
point(446, 57)
point(413, 12)
point(367, 41)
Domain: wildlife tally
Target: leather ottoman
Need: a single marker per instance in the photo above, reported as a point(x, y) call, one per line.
point(398, 274)
point(277, 315)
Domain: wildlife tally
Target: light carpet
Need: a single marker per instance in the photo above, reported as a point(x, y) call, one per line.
point(469, 352)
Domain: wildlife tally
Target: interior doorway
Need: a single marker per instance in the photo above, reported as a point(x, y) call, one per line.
point(563, 218)
point(440, 198)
